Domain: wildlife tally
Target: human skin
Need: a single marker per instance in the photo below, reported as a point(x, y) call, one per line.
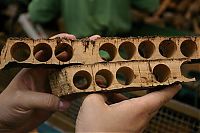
point(125, 115)
point(27, 102)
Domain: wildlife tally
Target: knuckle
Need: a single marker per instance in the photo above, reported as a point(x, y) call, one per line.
point(51, 102)
point(91, 99)
point(18, 96)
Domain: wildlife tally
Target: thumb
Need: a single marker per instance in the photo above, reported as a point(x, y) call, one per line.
point(38, 100)
point(95, 100)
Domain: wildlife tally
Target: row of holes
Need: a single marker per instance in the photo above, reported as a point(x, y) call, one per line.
point(124, 75)
point(167, 48)
point(42, 52)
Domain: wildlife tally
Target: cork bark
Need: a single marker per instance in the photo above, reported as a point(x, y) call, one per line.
point(145, 61)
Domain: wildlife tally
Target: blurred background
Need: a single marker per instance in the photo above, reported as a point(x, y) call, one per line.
point(123, 18)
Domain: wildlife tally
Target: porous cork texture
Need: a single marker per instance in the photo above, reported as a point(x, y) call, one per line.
point(146, 61)
point(140, 74)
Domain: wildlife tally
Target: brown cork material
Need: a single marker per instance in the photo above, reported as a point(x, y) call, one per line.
point(137, 73)
point(87, 52)
point(140, 62)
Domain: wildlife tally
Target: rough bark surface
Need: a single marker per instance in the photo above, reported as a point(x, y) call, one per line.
point(120, 62)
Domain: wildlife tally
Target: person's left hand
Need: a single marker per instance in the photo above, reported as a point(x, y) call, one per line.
point(27, 101)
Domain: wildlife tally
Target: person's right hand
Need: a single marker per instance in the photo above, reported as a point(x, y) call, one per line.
point(131, 115)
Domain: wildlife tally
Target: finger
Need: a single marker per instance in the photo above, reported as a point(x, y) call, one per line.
point(95, 100)
point(39, 54)
point(147, 104)
point(64, 35)
point(153, 101)
point(42, 55)
point(45, 101)
point(32, 79)
point(94, 37)
point(63, 56)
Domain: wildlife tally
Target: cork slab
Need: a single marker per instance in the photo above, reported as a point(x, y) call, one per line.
point(137, 73)
point(88, 52)
point(118, 62)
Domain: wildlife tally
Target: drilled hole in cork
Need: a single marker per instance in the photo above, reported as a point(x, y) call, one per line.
point(82, 80)
point(146, 49)
point(63, 52)
point(20, 51)
point(42, 52)
point(167, 48)
point(188, 48)
point(103, 78)
point(107, 52)
point(127, 50)
point(125, 75)
point(187, 70)
point(161, 72)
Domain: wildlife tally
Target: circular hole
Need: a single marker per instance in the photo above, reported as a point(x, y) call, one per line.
point(63, 52)
point(188, 48)
point(167, 48)
point(161, 72)
point(42, 52)
point(20, 51)
point(82, 80)
point(103, 78)
point(146, 49)
point(107, 51)
point(125, 75)
point(127, 50)
point(187, 70)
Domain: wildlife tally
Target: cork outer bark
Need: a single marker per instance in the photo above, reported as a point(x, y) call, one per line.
point(62, 81)
point(85, 56)
point(87, 52)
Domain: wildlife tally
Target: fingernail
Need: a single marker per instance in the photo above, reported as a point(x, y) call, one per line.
point(180, 86)
point(95, 37)
point(72, 37)
point(63, 106)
